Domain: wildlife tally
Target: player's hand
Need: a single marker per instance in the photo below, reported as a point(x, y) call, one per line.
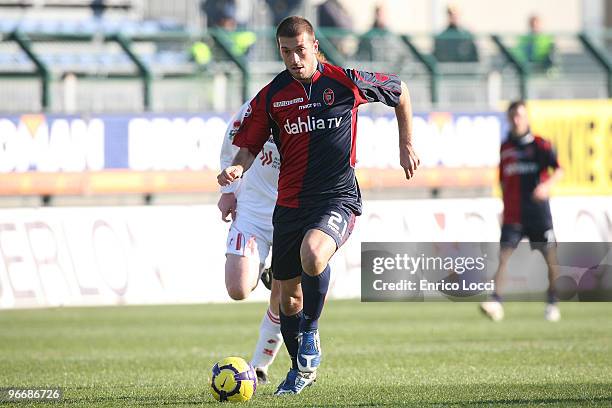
point(229, 175)
point(541, 192)
point(227, 206)
point(409, 160)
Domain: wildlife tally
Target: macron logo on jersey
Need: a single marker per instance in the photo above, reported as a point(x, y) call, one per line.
point(281, 104)
point(520, 168)
point(311, 123)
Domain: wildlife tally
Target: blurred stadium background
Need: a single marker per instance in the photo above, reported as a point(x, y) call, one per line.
point(124, 102)
point(113, 113)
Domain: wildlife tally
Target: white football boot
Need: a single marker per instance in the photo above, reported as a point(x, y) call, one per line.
point(492, 309)
point(552, 312)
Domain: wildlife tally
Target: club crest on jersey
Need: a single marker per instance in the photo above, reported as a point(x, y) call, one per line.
point(328, 96)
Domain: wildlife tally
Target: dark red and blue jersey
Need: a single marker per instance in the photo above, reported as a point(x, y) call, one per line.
point(315, 129)
point(524, 163)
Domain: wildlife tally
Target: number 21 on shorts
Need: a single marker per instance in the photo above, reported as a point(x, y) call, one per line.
point(337, 223)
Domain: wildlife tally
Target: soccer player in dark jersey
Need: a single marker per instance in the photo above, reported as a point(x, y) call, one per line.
point(524, 172)
point(311, 108)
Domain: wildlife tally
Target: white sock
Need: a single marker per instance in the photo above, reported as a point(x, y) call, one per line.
point(269, 342)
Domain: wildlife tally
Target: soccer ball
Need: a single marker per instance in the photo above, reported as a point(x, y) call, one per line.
point(233, 379)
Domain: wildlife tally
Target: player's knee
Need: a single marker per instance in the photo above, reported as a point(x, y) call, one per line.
point(237, 291)
point(238, 281)
point(313, 259)
point(291, 305)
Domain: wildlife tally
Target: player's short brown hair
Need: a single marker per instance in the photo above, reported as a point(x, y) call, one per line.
point(293, 26)
point(515, 105)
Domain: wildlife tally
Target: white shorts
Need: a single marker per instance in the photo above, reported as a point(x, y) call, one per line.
point(250, 240)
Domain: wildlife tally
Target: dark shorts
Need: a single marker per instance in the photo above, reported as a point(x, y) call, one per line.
point(540, 237)
point(292, 224)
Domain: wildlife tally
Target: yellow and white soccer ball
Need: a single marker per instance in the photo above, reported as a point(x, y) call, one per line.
point(233, 379)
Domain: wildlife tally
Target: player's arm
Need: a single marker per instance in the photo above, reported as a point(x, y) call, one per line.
point(250, 137)
point(388, 89)
point(542, 190)
point(403, 112)
point(227, 205)
point(241, 163)
point(228, 201)
point(228, 152)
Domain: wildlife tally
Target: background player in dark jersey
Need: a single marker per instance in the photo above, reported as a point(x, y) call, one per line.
point(524, 172)
point(311, 108)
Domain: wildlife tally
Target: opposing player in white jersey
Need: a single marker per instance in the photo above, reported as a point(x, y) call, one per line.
point(250, 204)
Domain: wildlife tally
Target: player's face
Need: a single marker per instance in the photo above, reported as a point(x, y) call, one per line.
point(299, 55)
point(519, 121)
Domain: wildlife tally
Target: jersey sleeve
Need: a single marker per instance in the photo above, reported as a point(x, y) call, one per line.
point(550, 156)
point(547, 154)
point(255, 128)
point(228, 150)
point(376, 86)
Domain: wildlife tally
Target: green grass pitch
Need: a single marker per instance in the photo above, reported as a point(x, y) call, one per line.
point(392, 354)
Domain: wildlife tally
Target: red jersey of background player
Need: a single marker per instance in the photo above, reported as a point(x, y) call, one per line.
point(524, 163)
point(315, 129)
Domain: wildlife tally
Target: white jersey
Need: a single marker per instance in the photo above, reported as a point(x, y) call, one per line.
point(257, 190)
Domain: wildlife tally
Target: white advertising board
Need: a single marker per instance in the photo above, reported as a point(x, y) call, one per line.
point(175, 254)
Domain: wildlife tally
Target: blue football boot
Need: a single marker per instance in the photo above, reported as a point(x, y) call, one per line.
point(295, 382)
point(309, 351)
